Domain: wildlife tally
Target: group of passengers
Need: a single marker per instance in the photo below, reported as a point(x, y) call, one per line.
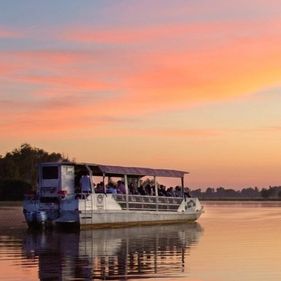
point(119, 188)
point(133, 189)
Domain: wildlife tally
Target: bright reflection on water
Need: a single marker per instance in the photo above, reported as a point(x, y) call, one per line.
point(113, 253)
point(240, 241)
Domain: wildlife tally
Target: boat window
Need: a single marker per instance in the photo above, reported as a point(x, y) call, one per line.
point(49, 200)
point(50, 172)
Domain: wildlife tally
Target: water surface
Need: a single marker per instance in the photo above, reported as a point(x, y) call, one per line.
point(231, 241)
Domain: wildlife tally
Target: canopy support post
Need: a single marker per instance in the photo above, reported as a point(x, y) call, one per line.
point(103, 180)
point(182, 186)
point(127, 191)
point(91, 177)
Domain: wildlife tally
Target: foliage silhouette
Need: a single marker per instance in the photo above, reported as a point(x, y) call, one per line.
point(18, 170)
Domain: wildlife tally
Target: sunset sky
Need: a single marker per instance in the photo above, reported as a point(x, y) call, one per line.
point(189, 85)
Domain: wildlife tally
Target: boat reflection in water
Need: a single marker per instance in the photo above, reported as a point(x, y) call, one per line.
point(124, 253)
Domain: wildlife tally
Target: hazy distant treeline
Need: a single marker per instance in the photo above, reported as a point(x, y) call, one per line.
point(18, 170)
point(250, 193)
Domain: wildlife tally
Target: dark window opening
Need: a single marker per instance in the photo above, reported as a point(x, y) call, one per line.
point(49, 200)
point(51, 172)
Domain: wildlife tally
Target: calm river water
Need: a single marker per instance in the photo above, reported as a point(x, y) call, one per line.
point(231, 241)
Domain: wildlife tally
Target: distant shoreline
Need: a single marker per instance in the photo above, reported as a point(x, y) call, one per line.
point(240, 199)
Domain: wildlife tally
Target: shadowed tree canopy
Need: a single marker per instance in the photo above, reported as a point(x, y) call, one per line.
point(21, 163)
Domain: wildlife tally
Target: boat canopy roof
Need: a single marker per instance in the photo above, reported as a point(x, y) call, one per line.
point(108, 170)
point(136, 171)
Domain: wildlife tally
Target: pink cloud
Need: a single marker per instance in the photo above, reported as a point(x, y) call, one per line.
point(9, 33)
point(63, 122)
point(77, 83)
point(150, 34)
point(42, 59)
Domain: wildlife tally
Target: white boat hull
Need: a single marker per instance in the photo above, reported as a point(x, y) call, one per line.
point(122, 218)
point(94, 212)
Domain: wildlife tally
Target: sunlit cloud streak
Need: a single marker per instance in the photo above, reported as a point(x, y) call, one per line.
point(9, 33)
point(185, 32)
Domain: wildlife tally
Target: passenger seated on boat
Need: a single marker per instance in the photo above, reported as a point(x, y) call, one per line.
point(162, 191)
point(186, 192)
point(178, 192)
point(77, 182)
point(111, 188)
point(121, 187)
point(148, 189)
point(152, 190)
point(85, 183)
point(99, 188)
point(141, 190)
point(132, 189)
point(170, 192)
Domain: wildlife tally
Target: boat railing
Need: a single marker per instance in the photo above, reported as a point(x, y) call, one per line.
point(148, 203)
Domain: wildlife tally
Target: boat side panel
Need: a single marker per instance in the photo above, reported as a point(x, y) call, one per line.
point(104, 218)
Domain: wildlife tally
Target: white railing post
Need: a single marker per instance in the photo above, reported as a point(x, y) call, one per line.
point(156, 192)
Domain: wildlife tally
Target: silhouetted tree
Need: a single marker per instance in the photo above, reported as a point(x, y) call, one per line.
point(210, 190)
point(267, 193)
point(13, 190)
point(20, 165)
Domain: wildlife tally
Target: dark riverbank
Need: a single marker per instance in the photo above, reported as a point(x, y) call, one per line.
point(10, 203)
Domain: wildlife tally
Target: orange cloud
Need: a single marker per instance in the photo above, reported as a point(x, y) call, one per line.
point(171, 132)
point(76, 83)
point(6, 69)
point(234, 70)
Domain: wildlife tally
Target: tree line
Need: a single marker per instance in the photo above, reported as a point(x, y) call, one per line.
point(248, 193)
point(18, 170)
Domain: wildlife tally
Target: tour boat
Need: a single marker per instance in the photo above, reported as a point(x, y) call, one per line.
point(61, 200)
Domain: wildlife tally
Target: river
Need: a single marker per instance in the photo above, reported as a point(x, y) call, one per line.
point(231, 241)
